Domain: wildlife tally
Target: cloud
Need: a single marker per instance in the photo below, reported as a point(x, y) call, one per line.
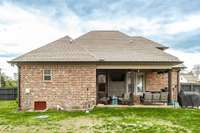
point(138, 25)
point(186, 24)
point(26, 29)
point(190, 59)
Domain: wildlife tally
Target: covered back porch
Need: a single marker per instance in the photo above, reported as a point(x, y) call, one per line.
point(137, 86)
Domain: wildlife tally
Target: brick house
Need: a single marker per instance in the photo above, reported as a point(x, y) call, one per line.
point(70, 73)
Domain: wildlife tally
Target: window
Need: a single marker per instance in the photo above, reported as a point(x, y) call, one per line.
point(140, 83)
point(102, 88)
point(101, 78)
point(47, 74)
point(102, 82)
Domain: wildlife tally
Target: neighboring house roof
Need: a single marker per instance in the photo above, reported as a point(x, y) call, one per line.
point(95, 46)
point(188, 78)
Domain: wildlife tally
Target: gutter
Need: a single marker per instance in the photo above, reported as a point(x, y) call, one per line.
point(100, 62)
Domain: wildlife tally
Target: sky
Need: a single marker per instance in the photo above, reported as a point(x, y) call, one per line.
point(26, 25)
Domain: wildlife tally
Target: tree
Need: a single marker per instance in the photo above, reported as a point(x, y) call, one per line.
point(3, 83)
point(7, 82)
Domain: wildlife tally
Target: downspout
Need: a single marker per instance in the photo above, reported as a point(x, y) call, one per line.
point(96, 87)
point(19, 87)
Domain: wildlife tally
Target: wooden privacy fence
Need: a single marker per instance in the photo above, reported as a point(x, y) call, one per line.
point(194, 87)
point(8, 94)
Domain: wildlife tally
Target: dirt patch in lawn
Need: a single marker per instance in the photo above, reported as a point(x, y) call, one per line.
point(81, 124)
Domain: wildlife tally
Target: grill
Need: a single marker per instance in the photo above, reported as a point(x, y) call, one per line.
point(189, 99)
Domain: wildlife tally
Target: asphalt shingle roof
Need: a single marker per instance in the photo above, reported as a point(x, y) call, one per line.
point(111, 46)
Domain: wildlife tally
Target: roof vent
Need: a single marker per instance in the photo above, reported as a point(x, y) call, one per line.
point(101, 59)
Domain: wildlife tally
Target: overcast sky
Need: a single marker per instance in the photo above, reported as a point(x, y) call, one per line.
point(25, 25)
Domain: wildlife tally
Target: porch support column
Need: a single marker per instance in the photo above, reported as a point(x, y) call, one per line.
point(170, 86)
point(178, 82)
point(108, 82)
point(126, 82)
point(132, 87)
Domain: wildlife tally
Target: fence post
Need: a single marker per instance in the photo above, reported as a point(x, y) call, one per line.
point(191, 87)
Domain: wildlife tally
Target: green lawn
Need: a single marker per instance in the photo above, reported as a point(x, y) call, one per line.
point(149, 120)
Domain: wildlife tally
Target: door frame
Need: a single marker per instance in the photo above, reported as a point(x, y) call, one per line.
point(144, 83)
point(98, 72)
point(134, 81)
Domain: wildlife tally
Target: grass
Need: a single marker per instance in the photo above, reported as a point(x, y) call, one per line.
point(149, 120)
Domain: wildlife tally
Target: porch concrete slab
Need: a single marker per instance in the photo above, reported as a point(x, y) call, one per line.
point(136, 106)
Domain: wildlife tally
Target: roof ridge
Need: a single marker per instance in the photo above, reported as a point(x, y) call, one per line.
point(105, 31)
point(100, 31)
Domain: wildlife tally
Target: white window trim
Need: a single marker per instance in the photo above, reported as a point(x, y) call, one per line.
point(43, 75)
point(144, 86)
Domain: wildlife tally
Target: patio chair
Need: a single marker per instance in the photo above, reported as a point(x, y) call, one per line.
point(147, 97)
point(125, 98)
point(164, 97)
point(156, 97)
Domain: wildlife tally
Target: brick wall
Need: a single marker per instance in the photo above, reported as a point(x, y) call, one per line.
point(68, 87)
point(156, 81)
